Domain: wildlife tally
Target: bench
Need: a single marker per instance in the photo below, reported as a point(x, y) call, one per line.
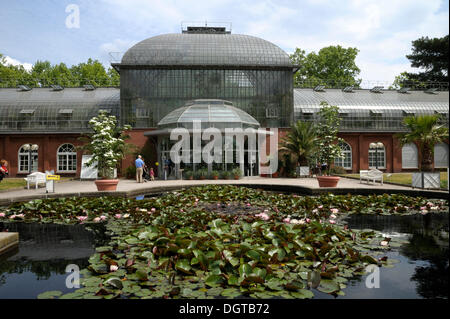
point(371, 175)
point(36, 178)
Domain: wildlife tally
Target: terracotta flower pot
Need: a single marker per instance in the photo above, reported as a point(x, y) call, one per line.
point(216, 177)
point(328, 181)
point(236, 176)
point(106, 184)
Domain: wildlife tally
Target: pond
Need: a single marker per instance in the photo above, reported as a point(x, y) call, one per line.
point(424, 261)
point(228, 241)
point(39, 263)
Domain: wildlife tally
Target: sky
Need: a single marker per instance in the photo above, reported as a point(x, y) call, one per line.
point(382, 30)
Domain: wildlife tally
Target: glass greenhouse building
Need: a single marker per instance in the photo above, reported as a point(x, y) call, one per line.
point(220, 78)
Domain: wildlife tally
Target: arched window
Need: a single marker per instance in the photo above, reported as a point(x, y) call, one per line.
point(24, 158)
point(67, 159)
point(441, 155)
point(377, 155)
point(410, 156)
point(346, 161)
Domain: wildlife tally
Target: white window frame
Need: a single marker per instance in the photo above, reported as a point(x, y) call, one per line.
point(66, 158)
point(35, 167)
point(346, 152)
point(380, 151)
point(434, 155)
point(417, 155)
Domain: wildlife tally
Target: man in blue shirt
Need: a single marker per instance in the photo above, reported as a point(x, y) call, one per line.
point(139, 169)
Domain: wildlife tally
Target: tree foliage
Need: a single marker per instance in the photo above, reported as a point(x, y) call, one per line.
point(300, 141)
point(328, 148)
point(44, 74)
point(426, 132)
point(431, 55)
point(333, 66)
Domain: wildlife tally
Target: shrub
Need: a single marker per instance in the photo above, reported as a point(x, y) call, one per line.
point(237, 172)
point(215, 174)
point(201, 173)
point(338, 170)
point(188, 174)
point(130, 172)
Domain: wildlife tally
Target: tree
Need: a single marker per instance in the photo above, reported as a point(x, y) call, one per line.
point(300, 141)
point(426, 132)
point(327, 142)
point(106, 143)
point(333, 66)
point(432, 56)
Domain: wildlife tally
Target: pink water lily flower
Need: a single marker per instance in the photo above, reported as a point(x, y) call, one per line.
point(263, 216)
point(315, 210)
point(320, 207)
point(334, 210)
point(384, 243)
point(248, 205)
point(308, 220)
point(2, 215)
point(113, 268)
point(153, 209)
point(332, 221)
point(287, 220)
point(333, 216)
point(118, 215)
point(103, 217)
point(96, 219)
point(82, 218)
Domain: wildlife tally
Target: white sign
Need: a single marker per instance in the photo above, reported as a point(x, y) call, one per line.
point(90, 172)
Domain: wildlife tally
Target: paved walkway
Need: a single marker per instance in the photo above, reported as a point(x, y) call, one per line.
point(129, 188)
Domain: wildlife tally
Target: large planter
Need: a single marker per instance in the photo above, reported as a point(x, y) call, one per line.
point(106, 184)
point(426, 180)
point(328, 181)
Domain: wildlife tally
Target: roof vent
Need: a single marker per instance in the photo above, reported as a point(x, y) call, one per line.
point(348, 89)
point(23, 88)
point(56, 87)
point(404, 90)
point(89, 87)
point(377, 89)
point(431, 91)
point(320, 88)
point(206, 27)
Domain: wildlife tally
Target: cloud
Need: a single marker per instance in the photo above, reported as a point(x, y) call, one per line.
point(11, 61)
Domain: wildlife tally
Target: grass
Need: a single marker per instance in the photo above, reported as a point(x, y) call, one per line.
point(405, 178)
point(14, 183)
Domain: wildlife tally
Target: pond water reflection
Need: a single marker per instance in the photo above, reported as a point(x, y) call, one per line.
point(424, 261)
point(40, 261)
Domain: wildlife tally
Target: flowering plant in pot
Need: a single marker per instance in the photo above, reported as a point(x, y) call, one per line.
point(107, 146)
point(215, 174)
point(327, 142)
point(237, 173)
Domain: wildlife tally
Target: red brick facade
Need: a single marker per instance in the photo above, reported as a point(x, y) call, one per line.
point(49, 144)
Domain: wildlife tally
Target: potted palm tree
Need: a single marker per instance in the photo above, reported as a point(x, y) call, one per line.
point(215, 174)
point(426, 132)
point(107, 146)
point(327, 142)
point(300, 142)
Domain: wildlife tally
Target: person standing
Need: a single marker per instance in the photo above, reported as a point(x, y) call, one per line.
point(3, 169)
point(139, 168)
point(152, 174)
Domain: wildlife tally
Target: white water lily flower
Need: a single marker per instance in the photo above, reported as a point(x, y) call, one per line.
point(384, 243)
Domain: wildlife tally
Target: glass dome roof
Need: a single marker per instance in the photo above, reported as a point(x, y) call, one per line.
point(206, 49)
point(212, 113)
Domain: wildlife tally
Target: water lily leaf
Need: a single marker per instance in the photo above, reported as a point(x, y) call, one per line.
point(233, 280)
point(274, 284)
point(302, 294)
point(369, 259)
point(231, 292)
point(49, 294)
point(245, 270)
point(214, 280)
point(253, 254)
point(184, 266)
point(328, 286)
point(114, 282)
